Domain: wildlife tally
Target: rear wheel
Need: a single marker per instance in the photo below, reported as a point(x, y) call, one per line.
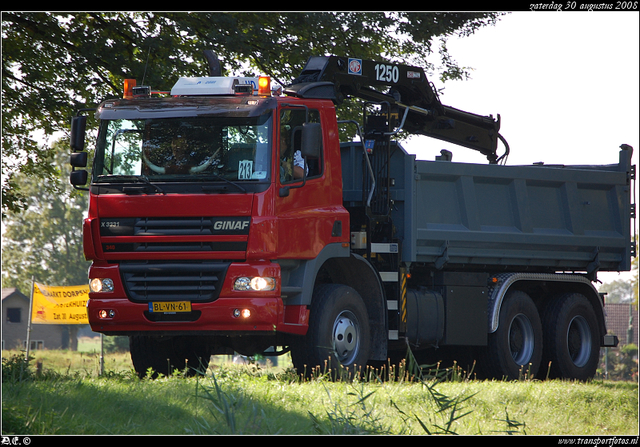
point(164, 355)
point(514, 350)
point(338, 335)
point(571, 338)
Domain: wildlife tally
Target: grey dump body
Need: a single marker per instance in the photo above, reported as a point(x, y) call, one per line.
point(537, 218)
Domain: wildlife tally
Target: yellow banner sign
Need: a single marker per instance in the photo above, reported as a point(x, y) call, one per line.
point(60, 304)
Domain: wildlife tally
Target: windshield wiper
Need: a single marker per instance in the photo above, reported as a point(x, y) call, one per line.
point(134, 179)
point(219, 177)
point(145, 179)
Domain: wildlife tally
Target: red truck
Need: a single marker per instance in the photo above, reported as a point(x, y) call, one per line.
point(228, 217)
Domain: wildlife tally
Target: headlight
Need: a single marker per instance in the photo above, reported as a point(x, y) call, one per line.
point(257, 283)
point(101, 285)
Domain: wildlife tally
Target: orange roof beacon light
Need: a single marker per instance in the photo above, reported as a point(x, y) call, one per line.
point(264, 86)
point(128, 88)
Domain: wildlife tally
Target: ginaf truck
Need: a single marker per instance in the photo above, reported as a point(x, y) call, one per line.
point(228, 217)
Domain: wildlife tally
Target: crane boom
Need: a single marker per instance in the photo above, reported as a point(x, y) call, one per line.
point(407, 87)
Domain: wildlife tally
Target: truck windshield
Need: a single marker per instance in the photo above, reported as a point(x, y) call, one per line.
point(184, 149)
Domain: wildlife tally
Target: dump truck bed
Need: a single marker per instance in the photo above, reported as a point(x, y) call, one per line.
point(493, 217)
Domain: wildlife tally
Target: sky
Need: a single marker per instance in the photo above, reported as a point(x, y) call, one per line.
point(565, 84)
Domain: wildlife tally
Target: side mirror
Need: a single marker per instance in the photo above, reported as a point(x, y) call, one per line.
point(311, 140)
point(78, 159)
point(78, 126)
point(78, 178)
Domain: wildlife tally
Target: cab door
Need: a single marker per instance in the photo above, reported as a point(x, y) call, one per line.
point(308, 205)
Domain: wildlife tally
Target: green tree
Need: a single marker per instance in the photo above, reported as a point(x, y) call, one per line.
point(56, 63)
point(618, 291)
point(44, 240)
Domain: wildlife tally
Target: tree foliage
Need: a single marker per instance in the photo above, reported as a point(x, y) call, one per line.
point(56, 63)
point(44, 241)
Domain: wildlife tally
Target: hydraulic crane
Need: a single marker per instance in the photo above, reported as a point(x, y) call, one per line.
point(408, 92)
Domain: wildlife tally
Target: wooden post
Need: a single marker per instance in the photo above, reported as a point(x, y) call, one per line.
point(26, 358)
point(29, 319)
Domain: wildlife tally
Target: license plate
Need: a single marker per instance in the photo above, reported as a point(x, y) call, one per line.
point(170, 307)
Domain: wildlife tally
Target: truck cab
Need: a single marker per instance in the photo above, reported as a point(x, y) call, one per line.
point(196, 213)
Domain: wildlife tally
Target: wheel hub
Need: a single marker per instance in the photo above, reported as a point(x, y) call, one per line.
point(521, 339)
point(346, 337)
point(579, 341)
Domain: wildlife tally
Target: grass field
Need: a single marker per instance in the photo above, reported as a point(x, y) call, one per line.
point(69, 396)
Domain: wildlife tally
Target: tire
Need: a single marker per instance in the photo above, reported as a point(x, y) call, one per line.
point(515, 349)
point(164, 355)
point(338, 336)
point(571, 338)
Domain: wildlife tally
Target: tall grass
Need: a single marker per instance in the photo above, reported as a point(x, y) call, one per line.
point(253, 399)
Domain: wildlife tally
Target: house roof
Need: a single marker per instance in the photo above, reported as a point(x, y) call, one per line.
point(12, 291)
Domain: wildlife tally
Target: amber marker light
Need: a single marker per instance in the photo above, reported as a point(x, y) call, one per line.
point(128, 88)
point(264, 86)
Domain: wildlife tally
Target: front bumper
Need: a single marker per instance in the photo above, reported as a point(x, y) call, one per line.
point(222, 315)
point(231, 313)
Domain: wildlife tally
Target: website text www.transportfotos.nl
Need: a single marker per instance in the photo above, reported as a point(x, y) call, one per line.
point(604, 441)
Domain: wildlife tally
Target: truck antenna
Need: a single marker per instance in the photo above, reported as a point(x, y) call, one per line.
point(146, 64)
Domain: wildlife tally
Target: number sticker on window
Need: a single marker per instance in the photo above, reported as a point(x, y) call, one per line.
point(245, 170)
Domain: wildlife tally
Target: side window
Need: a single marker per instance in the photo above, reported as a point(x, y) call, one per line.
point(292, 165)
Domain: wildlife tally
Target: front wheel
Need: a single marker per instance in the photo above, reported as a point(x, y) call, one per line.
point(572, 339)
point(338, 335)
point(163, 355)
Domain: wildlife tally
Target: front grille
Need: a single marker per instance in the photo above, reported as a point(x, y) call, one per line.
point(173, 281)
point(142, 234)
point(174, 226)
